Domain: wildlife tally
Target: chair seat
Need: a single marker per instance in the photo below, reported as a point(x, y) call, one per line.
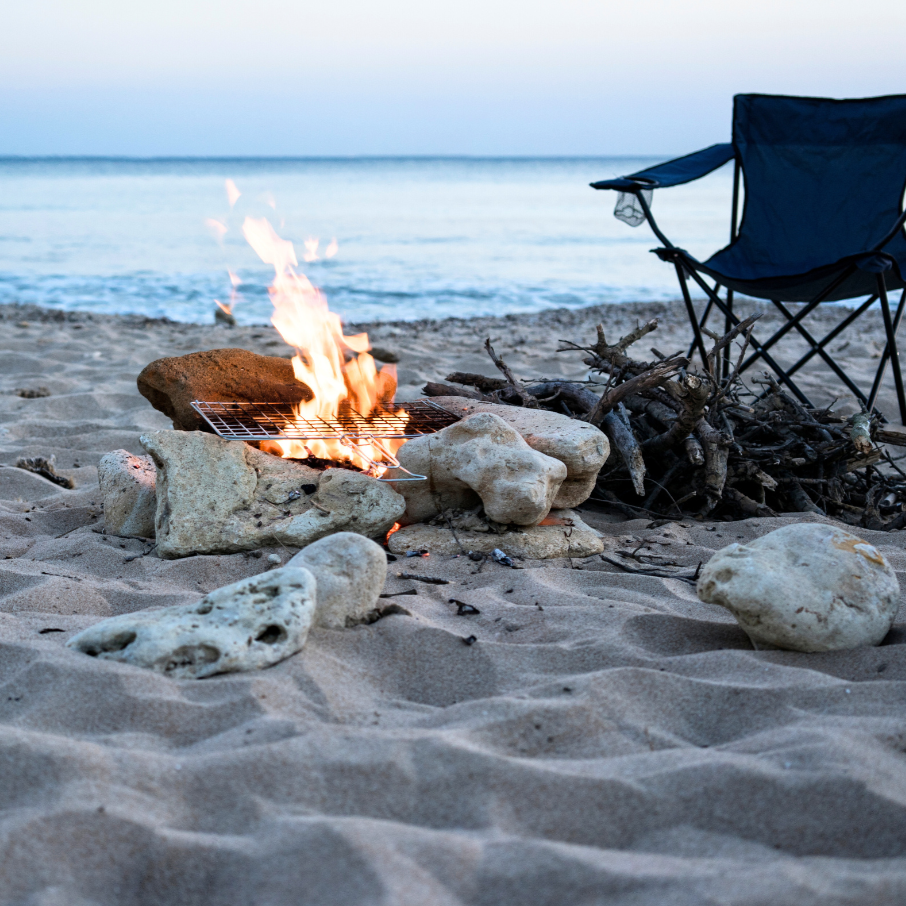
point(798, 280)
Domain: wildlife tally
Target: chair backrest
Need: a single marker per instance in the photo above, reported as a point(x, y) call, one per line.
point(824, 179)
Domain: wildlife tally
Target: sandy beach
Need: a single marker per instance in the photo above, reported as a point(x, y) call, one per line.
point(606, 737)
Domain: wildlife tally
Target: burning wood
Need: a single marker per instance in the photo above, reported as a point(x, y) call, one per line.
point(701, 442)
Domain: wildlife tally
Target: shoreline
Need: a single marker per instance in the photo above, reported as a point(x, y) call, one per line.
point(429, 349)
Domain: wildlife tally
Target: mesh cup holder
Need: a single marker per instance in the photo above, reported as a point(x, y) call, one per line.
point(629, 210)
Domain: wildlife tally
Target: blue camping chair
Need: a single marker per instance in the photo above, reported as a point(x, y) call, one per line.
point(822, 220)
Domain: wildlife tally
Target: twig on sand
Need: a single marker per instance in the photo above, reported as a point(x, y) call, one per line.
point(689, 576)
point(430, 580)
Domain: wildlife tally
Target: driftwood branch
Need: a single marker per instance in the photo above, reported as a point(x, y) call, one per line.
point(653, 377)
point(527, 399)
point(480, 381)
point(701, 443)
point(433, 388)
point(692, 394)
point(617, 428)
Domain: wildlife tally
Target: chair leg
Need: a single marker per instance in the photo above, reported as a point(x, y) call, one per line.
point(760, 350)
point(891, 352)
point(833, 334)
point(701, 323)
point(728, 326)
point(885, 356)
point(790, 324)
point(693, 320)
point(819, 350)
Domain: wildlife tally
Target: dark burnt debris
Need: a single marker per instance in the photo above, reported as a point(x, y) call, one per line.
point(701, 442)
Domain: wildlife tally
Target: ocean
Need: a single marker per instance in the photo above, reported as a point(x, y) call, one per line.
point(414, 237)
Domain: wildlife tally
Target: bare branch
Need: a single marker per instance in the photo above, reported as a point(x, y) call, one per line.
point(527, 400)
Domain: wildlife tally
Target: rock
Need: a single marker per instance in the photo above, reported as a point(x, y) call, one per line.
point(805, 587)
point(128, 487)
point(539, 542)
point(581, 447)
point(350, 571)
point(345, 502)
point(244, 626)
point(479, 459)
point(222, 496)
point(218, 375)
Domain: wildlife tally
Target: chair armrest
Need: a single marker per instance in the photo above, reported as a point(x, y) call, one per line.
point(673, 172)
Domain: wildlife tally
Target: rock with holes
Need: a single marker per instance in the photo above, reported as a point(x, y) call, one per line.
point(222, 496)
point(345, 502)
point(480, 459)
point(128, 488)
point(805, 587)
point(350, 571)
point(244, 626)
point(581, 447)
point(565, 535)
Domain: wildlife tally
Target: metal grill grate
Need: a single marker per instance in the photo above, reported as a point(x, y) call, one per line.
point(277, 421)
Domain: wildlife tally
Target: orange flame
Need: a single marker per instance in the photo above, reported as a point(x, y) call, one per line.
point(232, 192)
point(335, 367)
point(217, 227)
point(311, 250)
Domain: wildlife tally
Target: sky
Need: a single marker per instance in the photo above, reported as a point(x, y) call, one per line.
point(421, 77)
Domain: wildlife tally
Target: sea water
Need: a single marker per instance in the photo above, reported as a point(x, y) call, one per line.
point(414, 237)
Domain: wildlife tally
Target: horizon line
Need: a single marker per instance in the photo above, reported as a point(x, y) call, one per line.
point(182, 158)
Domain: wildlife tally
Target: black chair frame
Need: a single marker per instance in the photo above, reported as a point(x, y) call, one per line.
point(870, 261)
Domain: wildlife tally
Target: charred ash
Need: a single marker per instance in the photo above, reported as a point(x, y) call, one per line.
point(701, 442)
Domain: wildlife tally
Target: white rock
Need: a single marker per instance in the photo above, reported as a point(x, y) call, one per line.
point(128, 488)
point(480, 458)
point(350, 571)
point(222, 496)
point(581, 447)
point(806, 587)
point(569, 537)
point(345, 502)
point(244, 626)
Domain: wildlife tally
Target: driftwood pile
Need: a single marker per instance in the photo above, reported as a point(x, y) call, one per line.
point(700, 442)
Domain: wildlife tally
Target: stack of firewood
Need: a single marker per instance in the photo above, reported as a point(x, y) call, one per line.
point(702, 442)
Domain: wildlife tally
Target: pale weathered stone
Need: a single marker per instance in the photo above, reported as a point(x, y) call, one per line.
point(569, 537)
point(244, 626)
point(350, 571)
point(479, 459)
point(806, 587)
point(345, 502)
point(581, 447)
point(128, 488)
point(220, 496)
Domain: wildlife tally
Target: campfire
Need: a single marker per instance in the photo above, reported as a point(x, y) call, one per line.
point(351, 415)
point(372, 439)
point(324, 447)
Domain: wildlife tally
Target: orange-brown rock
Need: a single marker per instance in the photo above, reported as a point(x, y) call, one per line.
point(218, 375)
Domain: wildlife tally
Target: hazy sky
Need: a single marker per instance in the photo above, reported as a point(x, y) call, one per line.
point(347, 77)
